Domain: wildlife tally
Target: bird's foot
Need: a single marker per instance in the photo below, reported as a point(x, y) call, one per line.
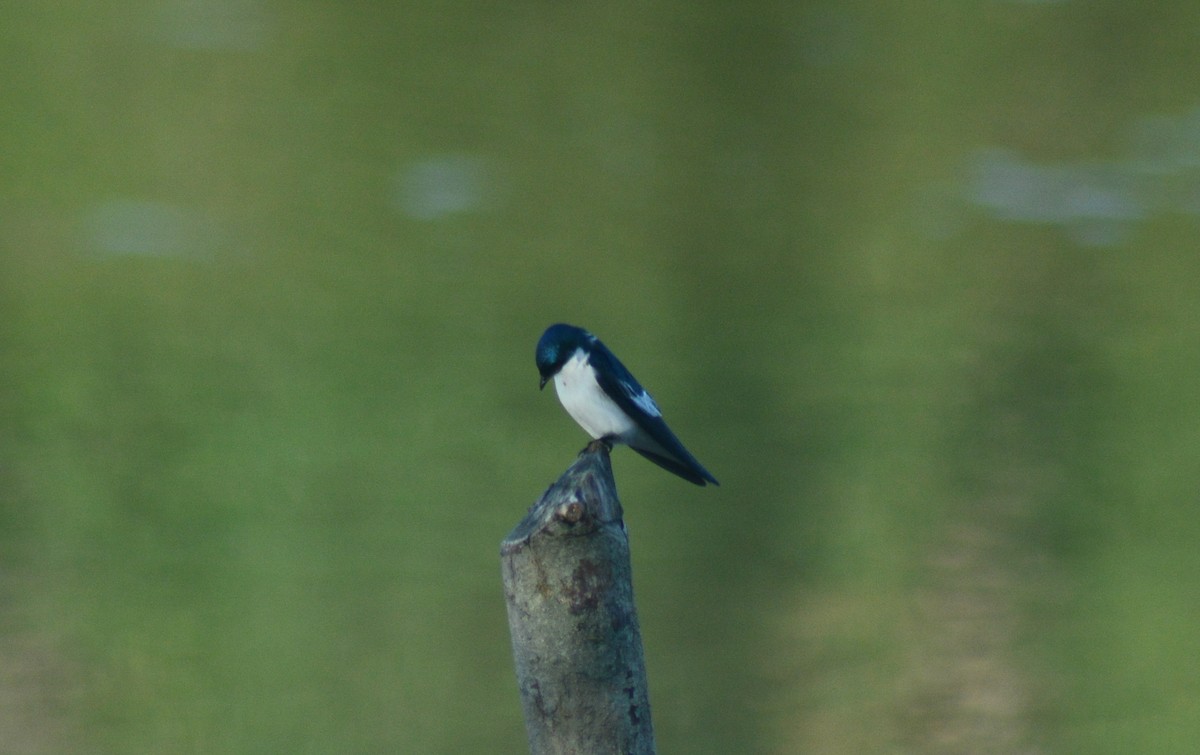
point(596, 445)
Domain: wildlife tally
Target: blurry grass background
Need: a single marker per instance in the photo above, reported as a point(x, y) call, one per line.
point(918, 284)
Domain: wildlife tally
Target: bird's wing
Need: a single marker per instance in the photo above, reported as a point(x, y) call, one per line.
point(659, 444)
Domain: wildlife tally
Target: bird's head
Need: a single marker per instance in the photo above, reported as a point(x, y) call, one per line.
point(555, 347)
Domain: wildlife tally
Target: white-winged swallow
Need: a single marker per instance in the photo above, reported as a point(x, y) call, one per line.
point(608, 402)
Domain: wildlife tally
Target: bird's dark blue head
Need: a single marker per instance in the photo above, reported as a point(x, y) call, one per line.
point(556, 346)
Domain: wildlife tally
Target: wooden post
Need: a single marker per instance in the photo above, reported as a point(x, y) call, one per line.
point(575, 637)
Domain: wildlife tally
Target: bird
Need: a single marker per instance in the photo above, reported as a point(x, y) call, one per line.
point(608, 402)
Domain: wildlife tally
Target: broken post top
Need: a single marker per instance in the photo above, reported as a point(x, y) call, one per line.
point(582, 499)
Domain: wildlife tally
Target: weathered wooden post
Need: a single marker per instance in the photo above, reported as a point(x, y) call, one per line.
point(576, 643)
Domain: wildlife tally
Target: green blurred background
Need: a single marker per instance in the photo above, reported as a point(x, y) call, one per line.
point(918, 283)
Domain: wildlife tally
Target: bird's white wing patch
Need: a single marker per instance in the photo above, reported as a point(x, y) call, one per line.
point(643, 400)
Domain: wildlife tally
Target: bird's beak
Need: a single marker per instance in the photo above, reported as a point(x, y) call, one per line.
point(542, 383)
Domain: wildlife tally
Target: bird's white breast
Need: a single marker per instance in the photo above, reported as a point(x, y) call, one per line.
point(588, 404)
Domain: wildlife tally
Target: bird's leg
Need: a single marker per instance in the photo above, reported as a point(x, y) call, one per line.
point(596, 444)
